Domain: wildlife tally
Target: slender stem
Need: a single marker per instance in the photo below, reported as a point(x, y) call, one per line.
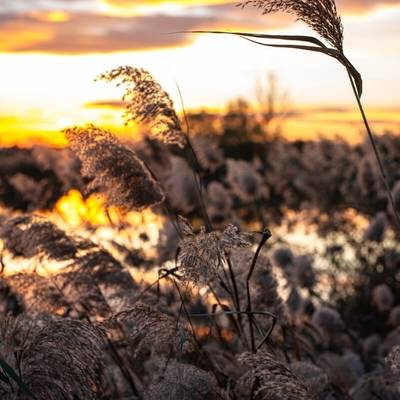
point(198, 183)
point(226, 286)
point(166, 204)
point(188, 316)
point(242, 337)
point(235, 288)
point(122, 365)
point(2, 264)
point(186, 311)
point(165, 274)
point(376, 151)
point(266, 234)
point(266, 337)
point(108, 215)
point(199, 186)
point(265, 313)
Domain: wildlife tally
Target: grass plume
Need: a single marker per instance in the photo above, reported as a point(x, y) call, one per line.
point(148, 102)
point(115, 170)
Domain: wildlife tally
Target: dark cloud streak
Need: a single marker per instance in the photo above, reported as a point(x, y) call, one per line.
point(93, 33)
point(89, 32)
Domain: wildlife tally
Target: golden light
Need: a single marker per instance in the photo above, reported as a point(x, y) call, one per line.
point(75, 211)
point(127, 8)
point(51, 16)
point(17, 36)
point(64, 122)
point(90, 218)
point(44, 93)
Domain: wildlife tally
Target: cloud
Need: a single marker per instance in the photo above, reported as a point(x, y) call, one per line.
point(363, 6)
point(157, 2)
point(148, 4)
point(7, 6)
point(83, 32)
point(79, 26)
point(345, 6)
point(88, 33)
point(15, 6)
point(111, 104)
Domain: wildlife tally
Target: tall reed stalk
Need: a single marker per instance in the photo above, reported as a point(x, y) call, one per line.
point(322, 17)
point(377, 155)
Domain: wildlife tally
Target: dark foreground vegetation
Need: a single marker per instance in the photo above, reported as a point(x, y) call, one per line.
point(317, 326)
point(243, 176)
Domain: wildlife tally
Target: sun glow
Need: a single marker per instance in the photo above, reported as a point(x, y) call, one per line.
point(56, 16)
point(44, 93)
point(75, 210)
point(13, 39)
point(126, 8)
point(89, 218)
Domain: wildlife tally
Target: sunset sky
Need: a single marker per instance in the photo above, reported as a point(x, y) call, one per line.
point(51, 51)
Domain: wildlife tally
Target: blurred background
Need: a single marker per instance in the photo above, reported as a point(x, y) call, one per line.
point(279, 143)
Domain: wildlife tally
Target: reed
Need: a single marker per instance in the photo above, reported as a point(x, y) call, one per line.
point(323, 18)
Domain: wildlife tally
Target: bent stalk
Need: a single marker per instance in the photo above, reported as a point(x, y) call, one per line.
point(376, 152)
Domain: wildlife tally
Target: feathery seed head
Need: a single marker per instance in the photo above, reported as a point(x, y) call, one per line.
point(201, 256)
point(231, 238)
point(319, 15)
point(183, 382)
point(343, 371)
point(393, 360)
point(115, 170)
point(30, 236)
point(59, 360)
point(185, 226)
point(152, 332)
point(263, 286)
point(271, 379)
point(36, 294)
point(384, 384)
point(148, 102)
point(311, 375)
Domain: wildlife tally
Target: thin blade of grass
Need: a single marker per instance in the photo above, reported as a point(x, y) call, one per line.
point(9, 371)
point(300, 38)
point(321, 48)
point(4, 378)
point(355, 75)
point(327, 51)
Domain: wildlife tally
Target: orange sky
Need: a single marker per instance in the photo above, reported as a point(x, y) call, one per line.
point(51, 51)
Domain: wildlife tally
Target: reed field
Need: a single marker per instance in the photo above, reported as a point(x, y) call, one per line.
point(209, 258)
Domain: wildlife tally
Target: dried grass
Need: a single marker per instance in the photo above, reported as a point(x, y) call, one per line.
point(148, 102)
point(319, 15)
point(114, 169)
